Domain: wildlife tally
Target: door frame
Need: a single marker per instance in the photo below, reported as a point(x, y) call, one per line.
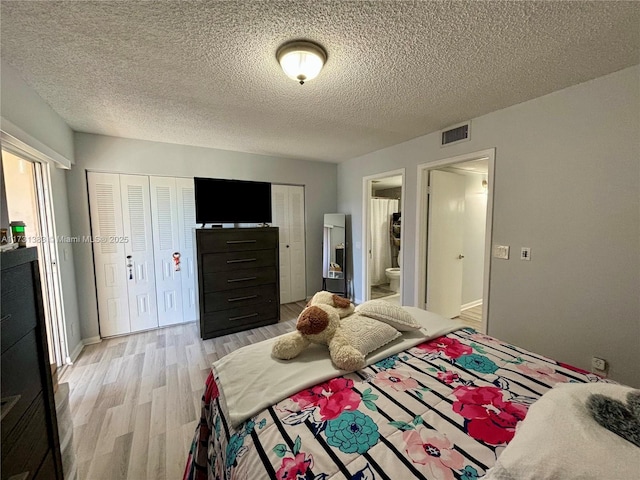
point(422, 212)
point(48, 254)
point(366, 233)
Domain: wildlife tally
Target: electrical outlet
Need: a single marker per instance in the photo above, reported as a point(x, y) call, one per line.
point(599, 364)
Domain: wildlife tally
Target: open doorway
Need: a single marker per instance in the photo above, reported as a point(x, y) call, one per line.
point(454, 237)
point(382, 215)
point(27, 184)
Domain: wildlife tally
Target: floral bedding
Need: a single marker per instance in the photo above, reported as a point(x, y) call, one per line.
point(444, 409)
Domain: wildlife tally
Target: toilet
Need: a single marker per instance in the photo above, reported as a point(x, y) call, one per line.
point(393, 274)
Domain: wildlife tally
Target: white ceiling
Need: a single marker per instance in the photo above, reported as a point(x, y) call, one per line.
point(205, 73)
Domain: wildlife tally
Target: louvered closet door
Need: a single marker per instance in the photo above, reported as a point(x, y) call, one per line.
point(297, 257)
point(109, 257)
point(279, 218)
point(136, 219)
point(288, 215)
point(186, 225)
point(166, 242)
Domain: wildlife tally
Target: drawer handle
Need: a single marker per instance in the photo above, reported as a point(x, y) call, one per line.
point(242, 260)
point(6, 317)
point(241, 279)
point(237, 299)
point(240, 241)
point(243, 316)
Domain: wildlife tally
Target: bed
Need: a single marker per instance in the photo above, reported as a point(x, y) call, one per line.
point(443, 402)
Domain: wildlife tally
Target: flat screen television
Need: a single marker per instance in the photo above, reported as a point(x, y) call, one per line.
point(220, 200)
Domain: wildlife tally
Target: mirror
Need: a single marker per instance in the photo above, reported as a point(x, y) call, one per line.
point(333, 246)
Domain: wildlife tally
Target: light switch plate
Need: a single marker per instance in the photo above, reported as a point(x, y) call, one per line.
point(501, 251)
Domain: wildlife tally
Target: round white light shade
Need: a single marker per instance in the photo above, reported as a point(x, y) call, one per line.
point(301, 60)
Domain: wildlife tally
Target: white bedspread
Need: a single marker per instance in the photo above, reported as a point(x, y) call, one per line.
point(250, 379)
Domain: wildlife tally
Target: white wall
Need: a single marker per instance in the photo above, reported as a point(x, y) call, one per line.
point(26, 114)
point(475, 214)
point(567, 184)
point(111, 154)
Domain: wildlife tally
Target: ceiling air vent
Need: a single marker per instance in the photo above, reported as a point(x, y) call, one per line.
point(456, 134)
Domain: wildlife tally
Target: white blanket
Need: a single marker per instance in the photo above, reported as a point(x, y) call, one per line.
point(250, 379)
point(560, 440)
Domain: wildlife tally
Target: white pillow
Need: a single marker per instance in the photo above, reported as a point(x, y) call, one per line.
point(389, 313)
point(559, 439)
point(366, 334)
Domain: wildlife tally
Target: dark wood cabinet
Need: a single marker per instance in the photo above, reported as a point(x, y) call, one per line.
point(30, 444)
point(238, 279)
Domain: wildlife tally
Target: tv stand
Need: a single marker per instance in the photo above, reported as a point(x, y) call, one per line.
point(238, 279)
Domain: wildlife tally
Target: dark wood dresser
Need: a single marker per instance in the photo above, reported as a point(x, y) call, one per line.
point(30, 445)
point(238, 279)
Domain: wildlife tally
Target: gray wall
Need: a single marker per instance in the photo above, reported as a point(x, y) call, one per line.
point(567, 184)
point(26, 110)
point(121, 155)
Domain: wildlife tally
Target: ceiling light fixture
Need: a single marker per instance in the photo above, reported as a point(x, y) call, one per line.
point(301, 60)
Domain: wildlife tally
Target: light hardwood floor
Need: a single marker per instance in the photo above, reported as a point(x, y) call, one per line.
point(135, 399)
point(472, 317)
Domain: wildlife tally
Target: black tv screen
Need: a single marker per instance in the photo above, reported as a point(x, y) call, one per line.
point(219, 200)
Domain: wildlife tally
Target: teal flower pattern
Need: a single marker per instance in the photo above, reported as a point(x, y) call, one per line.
point(476, 362)
point(352, 432)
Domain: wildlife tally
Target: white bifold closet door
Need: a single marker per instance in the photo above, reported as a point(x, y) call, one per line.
point(186, 199)
point(288, 215)
point(136, 220)
point(143, 251)
point(123, 252)
point(166, 241)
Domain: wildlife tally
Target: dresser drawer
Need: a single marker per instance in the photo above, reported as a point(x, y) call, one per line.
point(236, 319)
point(21, 382)
point(248, 277)
point(18, 305)
point(219, 262)
point(26, 447)
point(236, 239)
point(239, 297)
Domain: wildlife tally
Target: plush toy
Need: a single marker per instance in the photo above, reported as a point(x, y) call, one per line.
point(320, 323)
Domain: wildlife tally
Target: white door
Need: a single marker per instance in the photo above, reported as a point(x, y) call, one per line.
point(109, 257)
point(138, 250)
point(445, 241)
point(166, 243)
point(288, 215)
point(186, 225)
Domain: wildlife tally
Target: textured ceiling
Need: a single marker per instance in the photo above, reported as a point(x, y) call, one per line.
point(204, 73)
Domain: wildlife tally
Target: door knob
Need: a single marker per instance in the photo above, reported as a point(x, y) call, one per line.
point(460, 257)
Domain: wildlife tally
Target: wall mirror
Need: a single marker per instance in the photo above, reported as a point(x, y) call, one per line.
point(334, 252)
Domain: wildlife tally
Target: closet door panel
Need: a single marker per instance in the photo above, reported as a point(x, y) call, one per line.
point(280, 219)
point(186, 226)
point(105, 207)
point(297, 255)
point(164, 215)
point(136, 219)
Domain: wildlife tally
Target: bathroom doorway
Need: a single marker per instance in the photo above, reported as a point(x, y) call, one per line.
point(455, 205)
point(383, 202)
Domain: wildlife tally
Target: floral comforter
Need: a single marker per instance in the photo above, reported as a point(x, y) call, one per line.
point(444, 409)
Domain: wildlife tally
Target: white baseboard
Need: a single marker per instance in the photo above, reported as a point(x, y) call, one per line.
point(73, 356)
point(76, 353)
point(471, 304)
point(91, 340)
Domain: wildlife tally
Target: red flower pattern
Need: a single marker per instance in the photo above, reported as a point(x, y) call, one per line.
point(291, 468)
point(332, 398)
point(451, 347)
point(490, 418)
point(448, 377)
